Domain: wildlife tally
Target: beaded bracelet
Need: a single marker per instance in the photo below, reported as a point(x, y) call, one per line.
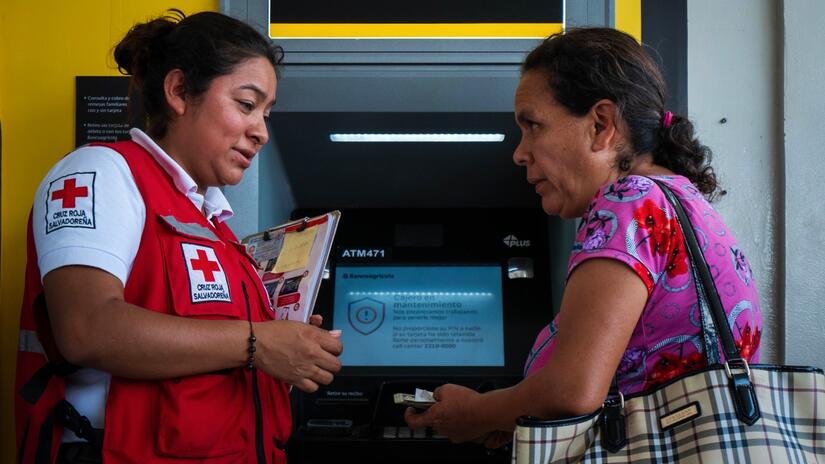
point(251, 359)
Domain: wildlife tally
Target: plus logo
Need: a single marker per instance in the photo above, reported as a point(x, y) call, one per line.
point(70, 202)
point(511, 241)
point(207, 280)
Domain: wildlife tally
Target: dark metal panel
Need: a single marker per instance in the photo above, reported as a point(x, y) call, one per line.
point(393, 88)
point(664, 31)
point(416, 12)
point(403, 175)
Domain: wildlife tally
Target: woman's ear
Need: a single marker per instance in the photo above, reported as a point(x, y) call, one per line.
point(174, 89)
point(604, 116)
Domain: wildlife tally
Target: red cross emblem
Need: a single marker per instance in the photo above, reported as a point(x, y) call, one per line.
point(203, 264)
point(69, 193)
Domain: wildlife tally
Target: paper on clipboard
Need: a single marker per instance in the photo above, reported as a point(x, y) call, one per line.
point(291, 260)
point(296, 250)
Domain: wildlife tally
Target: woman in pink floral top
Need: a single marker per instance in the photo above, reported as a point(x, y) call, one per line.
point(631, 221)
point(595, 130)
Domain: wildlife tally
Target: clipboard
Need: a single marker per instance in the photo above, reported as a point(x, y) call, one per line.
point(291, 259)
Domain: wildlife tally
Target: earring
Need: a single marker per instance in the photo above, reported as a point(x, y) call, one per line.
point(624, 165)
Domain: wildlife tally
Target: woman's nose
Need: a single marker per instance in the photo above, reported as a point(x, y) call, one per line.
point(259, 133)
point(521, 156)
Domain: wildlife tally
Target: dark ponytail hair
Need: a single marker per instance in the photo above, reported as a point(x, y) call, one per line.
point(203, 46)
point(585, 65)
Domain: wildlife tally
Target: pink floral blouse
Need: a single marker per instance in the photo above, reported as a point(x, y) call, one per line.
point(631, 221)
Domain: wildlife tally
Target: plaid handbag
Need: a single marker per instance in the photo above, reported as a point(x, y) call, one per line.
point(729, 412)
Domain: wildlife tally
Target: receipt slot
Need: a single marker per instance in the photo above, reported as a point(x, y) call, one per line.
point(520, 268)
point(423, 297)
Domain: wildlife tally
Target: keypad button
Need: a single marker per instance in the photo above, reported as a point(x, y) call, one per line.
point(390, 432)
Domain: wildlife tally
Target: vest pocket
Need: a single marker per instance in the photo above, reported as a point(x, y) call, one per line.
point(201, 271)
point(196, 420)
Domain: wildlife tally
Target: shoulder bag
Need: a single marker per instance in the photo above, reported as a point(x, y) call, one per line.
point(729, 412)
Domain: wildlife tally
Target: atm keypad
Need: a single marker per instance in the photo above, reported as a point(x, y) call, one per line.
point(393, 432)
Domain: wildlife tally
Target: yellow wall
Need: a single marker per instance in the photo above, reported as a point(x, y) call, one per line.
point(43, 46)
point(629, 17)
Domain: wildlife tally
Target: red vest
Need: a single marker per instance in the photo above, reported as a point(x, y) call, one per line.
point(189, 267)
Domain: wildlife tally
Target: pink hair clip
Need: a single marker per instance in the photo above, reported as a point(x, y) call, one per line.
point(667, 119)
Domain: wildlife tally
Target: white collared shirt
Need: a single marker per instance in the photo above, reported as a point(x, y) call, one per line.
point(88, 211)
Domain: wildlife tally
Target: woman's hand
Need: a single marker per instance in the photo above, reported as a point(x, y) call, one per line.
point(454, 415)
point(299, 354)
point(316, 320)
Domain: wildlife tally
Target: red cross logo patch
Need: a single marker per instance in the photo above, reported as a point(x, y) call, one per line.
point(70, 202)
point(207, 281)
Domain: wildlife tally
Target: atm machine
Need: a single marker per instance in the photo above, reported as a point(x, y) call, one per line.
point(444, 267)
point(423, 297)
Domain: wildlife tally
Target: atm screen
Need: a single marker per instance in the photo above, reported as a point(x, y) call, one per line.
point(414, 316)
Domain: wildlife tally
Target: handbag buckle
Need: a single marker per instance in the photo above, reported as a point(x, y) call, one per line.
point(614, 428)
point(744, 365)
point(614, 401)
point(743, 393)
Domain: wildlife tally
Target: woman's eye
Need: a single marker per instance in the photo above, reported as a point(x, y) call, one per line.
point(246, 105)
point(530, 126)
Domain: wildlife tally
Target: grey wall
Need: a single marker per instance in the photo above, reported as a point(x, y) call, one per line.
point(752, 78)
point(803, 108)
point(733, 53)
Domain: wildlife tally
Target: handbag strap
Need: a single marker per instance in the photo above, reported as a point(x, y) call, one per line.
point(698, 262)
point(741, 387)
point(710, 337)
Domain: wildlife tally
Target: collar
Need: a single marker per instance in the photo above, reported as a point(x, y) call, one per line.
point(213, 202)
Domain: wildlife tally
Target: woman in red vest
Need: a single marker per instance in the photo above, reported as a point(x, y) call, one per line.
point(146, 334)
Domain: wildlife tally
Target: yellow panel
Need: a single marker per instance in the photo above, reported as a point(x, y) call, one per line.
point(629, 17)
point(416, 31)
point(43, 46)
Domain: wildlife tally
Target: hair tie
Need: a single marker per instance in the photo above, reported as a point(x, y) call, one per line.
point(667, 119)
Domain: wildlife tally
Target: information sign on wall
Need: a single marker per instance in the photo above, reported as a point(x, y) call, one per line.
point(101, 109)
